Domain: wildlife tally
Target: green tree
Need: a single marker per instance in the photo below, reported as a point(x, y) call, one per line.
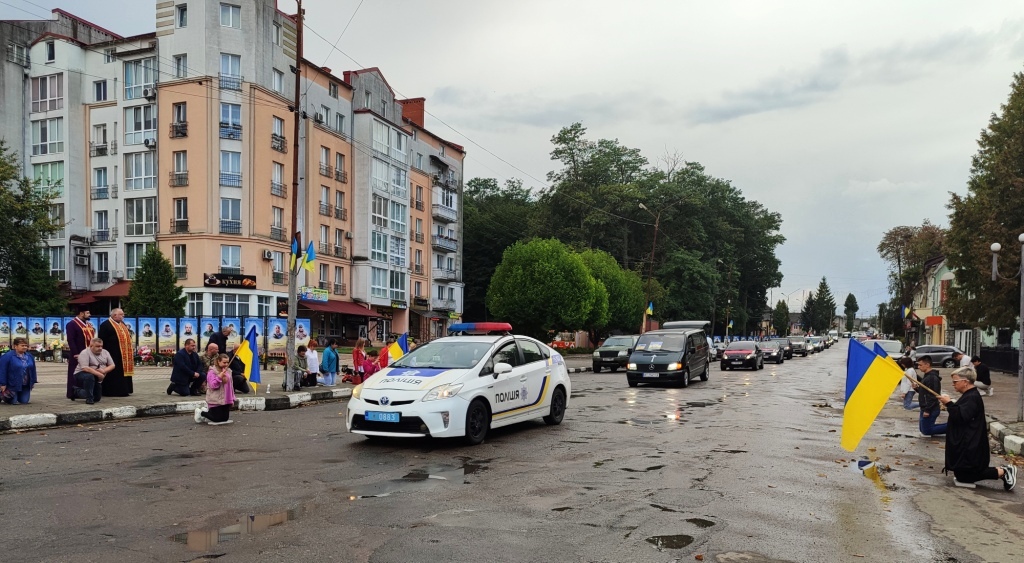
point(625, 292)
point(908, 250)
point(540, 286)
point(850, 309)
point(35, 291)
point(824, 308)
point(155, 290)
point(689, 284)
point(808, 315)
point(780, 318)
point(990, 212)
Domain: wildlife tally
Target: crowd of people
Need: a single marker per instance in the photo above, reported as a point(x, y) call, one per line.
point(965, 429)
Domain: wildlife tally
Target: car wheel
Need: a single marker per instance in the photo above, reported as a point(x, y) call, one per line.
point(557, 408)
point(632, 383)
point(685, 381)
point(723, 367)
point(707, 372)
point(478, 421)
point(597, 368)
point(948, 363)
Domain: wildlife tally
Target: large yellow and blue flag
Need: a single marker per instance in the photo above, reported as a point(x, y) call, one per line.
point(398, 348)
point(248, 353)
point(884, 355)
point(307, 260)
point(870, 380)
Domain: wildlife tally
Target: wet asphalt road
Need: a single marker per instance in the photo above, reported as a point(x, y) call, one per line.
point(744, 467)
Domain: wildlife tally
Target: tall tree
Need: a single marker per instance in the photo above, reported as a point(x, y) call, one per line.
point(990, 212)
point(850, 309)
point(35, 292)
point(907, 250)
point(26, 221)
point(824, 307)
point(625, 292)
point(155, 290)
point(808, 314)
point(780, 318)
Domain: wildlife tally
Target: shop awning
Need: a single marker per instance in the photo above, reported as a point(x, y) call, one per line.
point(933, 321)
point(340, 307)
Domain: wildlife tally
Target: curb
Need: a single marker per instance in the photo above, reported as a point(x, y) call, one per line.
point(1012, 444)
point(579, 370)
point(244, 403)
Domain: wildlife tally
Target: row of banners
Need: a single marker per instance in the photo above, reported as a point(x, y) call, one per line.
point(164, 335)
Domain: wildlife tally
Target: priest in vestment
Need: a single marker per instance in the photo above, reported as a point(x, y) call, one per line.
point(79, 334)
point(118, 341)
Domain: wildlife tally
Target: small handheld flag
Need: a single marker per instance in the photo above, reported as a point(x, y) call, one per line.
point(307, 260)
point(399, 348)
point(248, 353)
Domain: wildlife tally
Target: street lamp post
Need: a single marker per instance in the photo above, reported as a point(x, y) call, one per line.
point(650, 268)
point(996, 247)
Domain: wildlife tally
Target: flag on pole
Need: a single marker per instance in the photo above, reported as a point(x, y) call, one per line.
point(294, 253)
point(905, 311)
point(650, 308)
point(398, 348)
point(730, 324)
point(870, 380)
point(307, 260)
point(249, 354)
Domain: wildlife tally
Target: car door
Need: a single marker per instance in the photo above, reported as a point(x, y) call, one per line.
point(535, 392)
point(695, 360)
point(506, 392)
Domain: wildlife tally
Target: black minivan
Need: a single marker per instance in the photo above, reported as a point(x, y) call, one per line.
point(675, 354)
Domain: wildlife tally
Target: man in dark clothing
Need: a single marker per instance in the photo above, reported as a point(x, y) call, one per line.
point(238, 376)
point(220, 339)
point(187, 375)
point(983, 382)
point(930, 407)
point(967, 453)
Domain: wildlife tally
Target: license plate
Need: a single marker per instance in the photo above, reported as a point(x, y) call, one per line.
point(377, 416)
point(649, 374)
point(737, 361)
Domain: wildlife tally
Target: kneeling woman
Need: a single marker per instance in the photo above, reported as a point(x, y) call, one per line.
point(220, 395)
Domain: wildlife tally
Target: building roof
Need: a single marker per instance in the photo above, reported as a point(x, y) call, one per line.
point(372, 69)
point(84, 21)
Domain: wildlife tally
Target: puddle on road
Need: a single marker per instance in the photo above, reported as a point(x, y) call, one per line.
point(670, 542)
point(206, 539)
point(602, 462)
point(700, 522)
point(730, 451)
point(561, 509)
point(420, 479)
point(664, 508)
point(651, 468)
point(870, 470)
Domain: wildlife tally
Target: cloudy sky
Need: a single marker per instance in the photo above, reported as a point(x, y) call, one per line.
point(848, 118)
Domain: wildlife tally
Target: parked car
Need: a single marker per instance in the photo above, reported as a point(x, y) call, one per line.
point(743, 354)
point(816, 343)
point(893, 348)
point(773, 352)
point(940, 355)
point(800, 345)
point(670, 355)
point(787, 347)
point(614, 352)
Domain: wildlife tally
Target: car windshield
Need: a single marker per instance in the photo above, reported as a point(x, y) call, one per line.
point(796, 339)
point(619, 341)
point(661, 343)
point(780, 342)
point(890, 346)
point(441, 354)
point(773, 344)
point(741, 345)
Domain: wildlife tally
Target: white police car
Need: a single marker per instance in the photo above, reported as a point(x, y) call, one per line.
point(462, 386)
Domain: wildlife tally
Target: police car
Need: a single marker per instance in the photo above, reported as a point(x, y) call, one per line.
point(462, 386)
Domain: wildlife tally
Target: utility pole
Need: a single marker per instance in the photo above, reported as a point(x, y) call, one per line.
point(293, 273)
point(650, 268)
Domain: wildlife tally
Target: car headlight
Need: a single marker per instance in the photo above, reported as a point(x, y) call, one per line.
point(675, 366)
point(623, 353)
point(443, 392)
point(357, 391)
point(631, 367)
point(597, 354)
point(750, 356)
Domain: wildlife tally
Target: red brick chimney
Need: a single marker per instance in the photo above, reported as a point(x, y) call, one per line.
point(413, 109)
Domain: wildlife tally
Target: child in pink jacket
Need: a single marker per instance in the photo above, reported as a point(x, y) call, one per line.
point(220, 393)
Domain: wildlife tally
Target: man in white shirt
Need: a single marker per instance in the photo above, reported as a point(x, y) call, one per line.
point(961, 360)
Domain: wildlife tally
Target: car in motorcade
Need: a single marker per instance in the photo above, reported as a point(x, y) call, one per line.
point(772, 351)
point(719, 350)
point(800, 345)
point(675, 353)
point(846, 334)
point(787, 346)
point(463, 386)
point(893, 348)
point(743, 354)
point(614, 352)
point(940, 355)
point(816, 343)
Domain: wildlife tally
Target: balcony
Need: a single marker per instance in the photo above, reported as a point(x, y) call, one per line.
point(100, 192)
point(445, 181)
point(325, 285)
point(446, 275)
point(277, 232)
point(181, 272)
point(104, 235)
point(278, 143)
point(230, 131)
point(417, 204)
point(444, 244)
point(230, 227)
point(179, 226)
point(418, 237)
point(444, 213)
point(279, 278)
point(340, 252)
point(325, 209)
point(341, 213)
point(231, 179)
point(98, 149)
point(442, 304)
point(417, 268)
point(326, 170)
point(278, 189)
point(178, 179)
point(179, 129)
point(231, 270)
point(340, 289)
point(341, 176)
point(420, 302)
point(324, 249)
point(100, 277)
point(230, 82)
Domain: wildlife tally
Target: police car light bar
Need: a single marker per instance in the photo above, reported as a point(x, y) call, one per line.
point(480, 328)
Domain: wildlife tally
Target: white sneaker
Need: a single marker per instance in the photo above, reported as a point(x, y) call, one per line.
point(198, 416)
point(990, 392)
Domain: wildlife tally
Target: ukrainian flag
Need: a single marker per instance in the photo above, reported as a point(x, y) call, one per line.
point(650, 308)
point(882, 354)
point(870, 380)
point(307, 260)
point(248, 353)
point(398, 348)
point(294, 253)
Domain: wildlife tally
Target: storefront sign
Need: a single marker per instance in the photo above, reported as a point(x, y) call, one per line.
point(421, 302)
point(307, 293)
point(398, 305)
point(234, 281)
point(453, 315)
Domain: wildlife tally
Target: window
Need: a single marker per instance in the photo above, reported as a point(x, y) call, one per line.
point(230, 257)
point(102, 221)
point(278, 84)
point(339, 237)
point(277, 179)
point(230, 16)
point(140, 216)
point(181, 15)
point(339, 275)
point(325, 112)
point(179, 256)
point(398, 286)
point(531, 352)
point(398, 251)
point(133, 253)
point(339, 162)
point(50, 175)
point(324, 275)
point(419, 197)
point(419, 257)
point(384, 108)
point(231, 169)
point(99, 90)
point(179, 112)
point(378, 246)
point(419, 226)
point(419, 160)
point(263, 305)
point(398, 215)
point(138, 75)
point(17, 53)
point(379, 282)
point(442, 150)
point(181, 66)
point(276, 216)
point(230, 209)
point(230, 72)
point(48, 136)
point(339, 200)
point(139, 171)
point(195, 304)
point(278, 127)
point(379, 175)
point(101, 265)
point(366, 100)
point(48, 92)
point(57, 265)
point(325, 195)
point(278, 261)
point(230, 304)
point(109, 55)
point(339, 123)
point(57, 216)
point(325, 156)
point(324, 232)
point(230, 121)
point(180, 161)
point(139, 124)
point(180, 208)
point(51, 51)
point(379, 211)
point(381, 137)
point(400, 183)
point(99, 134)
point(276, 34)
point(419, 289)
point(99, 177)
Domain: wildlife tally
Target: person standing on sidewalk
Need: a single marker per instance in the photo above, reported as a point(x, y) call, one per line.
point(967, 453)
point(930, 406)
point(313, 365)
point(118, 340)
point(187, 370)
point(907, 383)
point(17, 373)
point(220, 395)
point(94, 363)
point(79, 334)
point(330, 364)
point(358, 358)
point(983, 380)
